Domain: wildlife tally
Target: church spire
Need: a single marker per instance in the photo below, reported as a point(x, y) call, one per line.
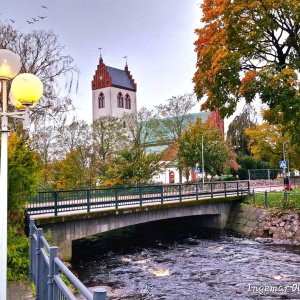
point(100, 53)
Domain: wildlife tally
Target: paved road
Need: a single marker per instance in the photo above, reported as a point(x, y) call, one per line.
point(19, 291)
point(267, 188)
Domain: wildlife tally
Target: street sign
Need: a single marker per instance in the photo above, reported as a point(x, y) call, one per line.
point(196, 170)
point(282, 164)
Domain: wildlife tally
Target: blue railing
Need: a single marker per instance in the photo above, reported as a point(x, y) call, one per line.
point(45, 271)
point(55, 202)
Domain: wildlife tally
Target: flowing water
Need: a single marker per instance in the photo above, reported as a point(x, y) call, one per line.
point(178, 260)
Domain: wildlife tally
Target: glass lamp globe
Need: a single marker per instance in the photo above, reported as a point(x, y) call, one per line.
point(27, 89)
point(17, 104)
point(10, 64)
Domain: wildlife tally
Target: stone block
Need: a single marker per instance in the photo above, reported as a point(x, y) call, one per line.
point(285, 217)
point(287, 227)
point(282, 224)
point(252, 224)
point(289, 234)
point(272, 230)
point(295, 228)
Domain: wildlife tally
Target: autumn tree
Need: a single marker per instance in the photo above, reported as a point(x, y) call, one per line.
point(75, 169)
point(216, 152)
point(266, 143)
point(248, 49)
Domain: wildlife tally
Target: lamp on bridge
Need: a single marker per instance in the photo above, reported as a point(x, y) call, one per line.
point(26, 90)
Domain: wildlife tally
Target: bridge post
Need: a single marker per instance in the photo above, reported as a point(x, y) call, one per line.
point(162, 195)
point(197, 191)
point(237, 188)
point(180, 196)
point(55, 202)
point(116, 197)
point(225, 189)
point(211, 190)
point(31, 224)
point(88, 200)
point(99, 294)
point(37, 264)
point(52, 255)
point(141, 195)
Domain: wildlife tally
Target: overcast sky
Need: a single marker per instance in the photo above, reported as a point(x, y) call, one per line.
point(156, 35)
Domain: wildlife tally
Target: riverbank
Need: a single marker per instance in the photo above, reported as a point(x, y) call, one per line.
point(257, 222)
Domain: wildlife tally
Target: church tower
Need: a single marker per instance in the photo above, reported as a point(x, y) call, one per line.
point(114, 91)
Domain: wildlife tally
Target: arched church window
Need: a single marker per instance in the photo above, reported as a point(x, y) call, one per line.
point(101, 100)
point(127, 102)
point(120, 100)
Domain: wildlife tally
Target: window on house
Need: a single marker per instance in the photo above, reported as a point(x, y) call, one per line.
point(127, 102)
point(101, 100)
point(120, 100)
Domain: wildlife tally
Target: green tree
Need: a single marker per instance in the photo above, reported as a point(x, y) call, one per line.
point(237, 137)
point(174, 117)
point(23, 178)
point(247, 49)
point(216, 152)
point(133, 166)
point(250, 163)
point(109, 136)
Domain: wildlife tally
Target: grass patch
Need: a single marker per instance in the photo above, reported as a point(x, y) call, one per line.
point(276, 200)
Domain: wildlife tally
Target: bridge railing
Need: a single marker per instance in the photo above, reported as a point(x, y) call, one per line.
point(45, 202)
point(46, 268)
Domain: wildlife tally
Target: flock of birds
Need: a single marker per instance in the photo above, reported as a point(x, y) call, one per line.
point(33, 19)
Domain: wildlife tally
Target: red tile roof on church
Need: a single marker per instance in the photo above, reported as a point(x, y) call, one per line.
point(108, 76)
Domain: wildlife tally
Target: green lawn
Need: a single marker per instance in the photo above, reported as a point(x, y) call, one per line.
point(277, 200)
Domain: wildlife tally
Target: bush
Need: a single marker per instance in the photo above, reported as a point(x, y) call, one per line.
point(17, 256)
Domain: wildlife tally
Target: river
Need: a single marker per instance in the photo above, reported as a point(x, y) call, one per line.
point(178, 260)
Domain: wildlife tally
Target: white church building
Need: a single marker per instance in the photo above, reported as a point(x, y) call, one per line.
point(114, 91)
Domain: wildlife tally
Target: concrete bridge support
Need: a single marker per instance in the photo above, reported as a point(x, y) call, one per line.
point(67, 228)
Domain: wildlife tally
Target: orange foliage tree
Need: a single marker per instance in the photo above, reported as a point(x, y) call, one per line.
point(248, 49)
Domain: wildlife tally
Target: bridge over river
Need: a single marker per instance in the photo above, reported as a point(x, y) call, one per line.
point(76, 214)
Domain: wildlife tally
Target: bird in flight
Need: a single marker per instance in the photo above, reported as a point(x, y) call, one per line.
point(44, 6)
point(29, 22)
point(13, 21)
point(42, 17)
point(34, 20)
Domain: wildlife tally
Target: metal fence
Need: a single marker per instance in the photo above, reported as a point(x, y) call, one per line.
point(280, 200)
point(45, 202)
point(46, 268)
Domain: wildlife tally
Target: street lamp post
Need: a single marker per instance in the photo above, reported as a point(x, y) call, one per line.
point(283, 152)
point(22, 97)
point(203, 152)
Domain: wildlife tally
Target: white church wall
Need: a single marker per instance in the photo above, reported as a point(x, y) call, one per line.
point(111, 108)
